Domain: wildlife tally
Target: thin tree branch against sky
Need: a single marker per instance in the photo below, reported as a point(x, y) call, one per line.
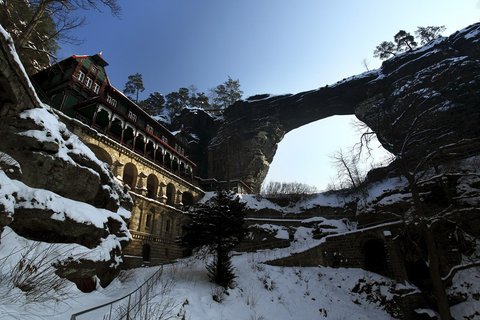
point(271, 46)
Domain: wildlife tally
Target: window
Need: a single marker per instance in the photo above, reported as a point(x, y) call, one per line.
point(93, 69)
point(148, 222)
point(167, 226)
point(96, 87)
point(80, 76)
point(132, 116)
point(111, 101)
point(89, 82)
point(164, 139)
point(149, 128)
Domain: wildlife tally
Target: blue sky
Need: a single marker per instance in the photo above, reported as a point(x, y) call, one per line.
point(272, 46)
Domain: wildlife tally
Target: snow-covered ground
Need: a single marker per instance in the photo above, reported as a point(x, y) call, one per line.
point(262, 291)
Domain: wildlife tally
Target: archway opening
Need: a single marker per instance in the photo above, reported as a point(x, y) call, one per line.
point(116, 130)
point(170, 194)
point(168, 160)
point(101, 154)
point(140, 144)
point(175, 165)
point(159, 156)
point(128, 136)
point(150, 149)
point(187, 198)
point(130, 175)
point(101, 120)
point(314, 144)
point(146, 252)
point(152, 186)
point(375, 257)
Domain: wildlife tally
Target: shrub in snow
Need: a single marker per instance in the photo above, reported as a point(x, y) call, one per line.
point(217, 225)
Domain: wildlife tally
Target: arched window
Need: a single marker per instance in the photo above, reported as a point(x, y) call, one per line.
point(152, 186)
point(128, 136)
point(101, 120)
point(170, 194)
point(101, 154)
point(150, 149)
point(168, 160)
point(130, 175)
point(140, 144)
point(116, 129)
point(146, 252)
point(187, 198)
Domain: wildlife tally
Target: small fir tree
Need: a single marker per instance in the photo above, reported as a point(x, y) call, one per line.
point(217, 225)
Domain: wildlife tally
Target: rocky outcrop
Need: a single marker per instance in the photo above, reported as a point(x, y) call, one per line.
point(415, 103)
point(52, 187)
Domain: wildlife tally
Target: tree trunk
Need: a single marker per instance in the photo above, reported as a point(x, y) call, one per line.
point(32, 24)
point(433, 259)
point(434, 269)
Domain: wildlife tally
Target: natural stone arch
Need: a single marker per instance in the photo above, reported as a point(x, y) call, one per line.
point(187, 198)
point(375, 255)
point(130, 173)
point(101, 154)
point(152, 186)
point(171, 193)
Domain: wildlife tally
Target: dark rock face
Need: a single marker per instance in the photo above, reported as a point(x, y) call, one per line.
point(416, 102)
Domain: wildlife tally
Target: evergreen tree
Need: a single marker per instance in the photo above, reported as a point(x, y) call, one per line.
point(177, 100)
point(427, 34)
point(404, 41)
point(385, 50)
point(133, 86)
point(153, 104)
point(217, 225)
point(199, 100)
point(226, 94)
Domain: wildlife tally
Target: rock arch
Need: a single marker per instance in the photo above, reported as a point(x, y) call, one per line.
point(243, 144)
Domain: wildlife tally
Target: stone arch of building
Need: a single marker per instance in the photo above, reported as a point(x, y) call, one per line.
point(102, 119)
point(146, 252)
point(375, 254)
point(187, 198)
point(152, 186)
point(171, 193)
point(130, 173)
point(116, 128)
point(101, 154)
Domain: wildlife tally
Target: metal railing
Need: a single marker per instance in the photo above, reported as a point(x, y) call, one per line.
point(130, 307)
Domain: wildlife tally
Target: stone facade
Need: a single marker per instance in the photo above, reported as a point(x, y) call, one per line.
point(159, 197)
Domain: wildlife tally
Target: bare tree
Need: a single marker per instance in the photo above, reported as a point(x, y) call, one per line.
point(38, 26)
point(347, 165)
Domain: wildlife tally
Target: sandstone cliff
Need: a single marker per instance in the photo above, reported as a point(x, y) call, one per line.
point(52, 187)
point(416, 102)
